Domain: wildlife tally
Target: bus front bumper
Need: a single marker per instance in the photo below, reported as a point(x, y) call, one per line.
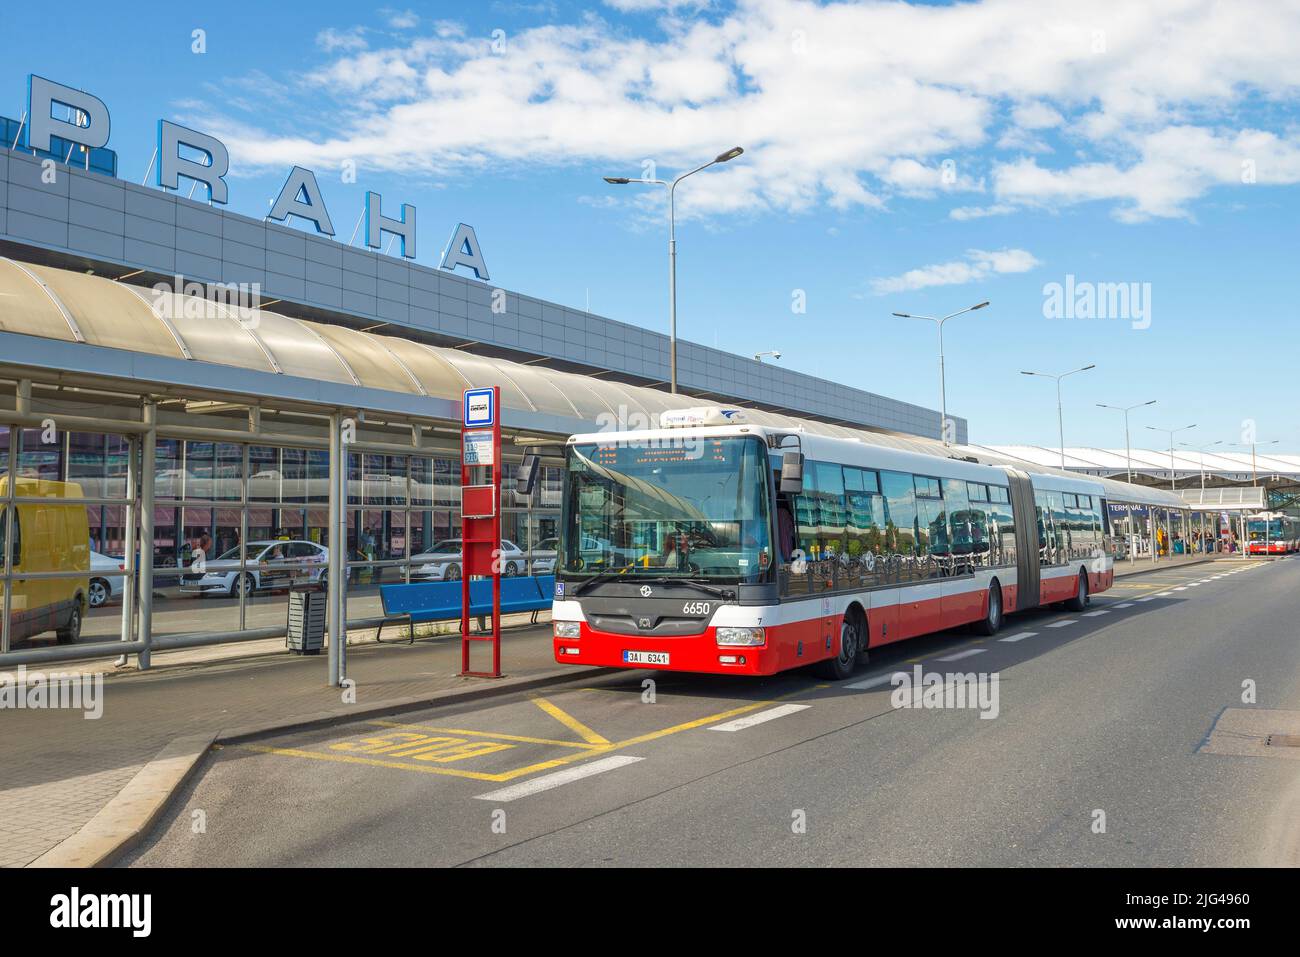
point(694, 653)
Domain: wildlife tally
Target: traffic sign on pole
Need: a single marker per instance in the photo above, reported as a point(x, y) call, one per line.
point(480, 518)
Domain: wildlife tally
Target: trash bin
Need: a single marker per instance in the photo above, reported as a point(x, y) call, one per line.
point(305, 632)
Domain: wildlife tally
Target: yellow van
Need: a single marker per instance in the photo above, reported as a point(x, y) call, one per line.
point(48, 536)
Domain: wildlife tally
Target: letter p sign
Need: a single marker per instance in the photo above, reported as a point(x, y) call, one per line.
point(89, 122)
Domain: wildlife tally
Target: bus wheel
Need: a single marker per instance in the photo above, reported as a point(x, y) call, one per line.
point(993, 620)
point(1081, 598)
point(843, 664)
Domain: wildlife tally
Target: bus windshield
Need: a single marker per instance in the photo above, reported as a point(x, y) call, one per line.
point(693, 508)
point(1257, 531)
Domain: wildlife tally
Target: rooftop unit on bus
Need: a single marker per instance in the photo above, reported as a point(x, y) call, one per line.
point(701, 415)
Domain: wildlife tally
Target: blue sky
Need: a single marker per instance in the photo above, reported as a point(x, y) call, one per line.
point(899, 158)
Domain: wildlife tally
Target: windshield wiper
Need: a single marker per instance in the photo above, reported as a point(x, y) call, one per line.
point(699, 586)
point(600, 577)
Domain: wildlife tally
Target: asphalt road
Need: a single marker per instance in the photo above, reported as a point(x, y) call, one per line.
point(1123, 711)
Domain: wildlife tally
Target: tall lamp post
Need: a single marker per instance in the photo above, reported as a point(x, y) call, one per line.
point(1254, 473)
point(943, 394)
point(1201, 449)
point(1173, 478)
point(726, 157)
point(1128, 448)
point(1060, 419)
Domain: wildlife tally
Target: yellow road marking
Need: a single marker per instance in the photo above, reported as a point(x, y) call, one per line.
point(570, 722)
point(688, 725)
point(373, 762)
point(488, 734)
point(580, 751)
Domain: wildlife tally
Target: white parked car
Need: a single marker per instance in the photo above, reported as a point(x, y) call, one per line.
point(442, 562)
point(221, 575)
point(104, 587)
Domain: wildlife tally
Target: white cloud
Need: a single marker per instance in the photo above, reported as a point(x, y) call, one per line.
point(642, 6)
point(1036, 116)
point(978, 265)
point(1175, 165)
point(333, 41)
point(839, 104)
point(401, 19)
point(964, 213)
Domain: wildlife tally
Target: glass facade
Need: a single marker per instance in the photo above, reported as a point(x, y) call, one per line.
point(235, 525)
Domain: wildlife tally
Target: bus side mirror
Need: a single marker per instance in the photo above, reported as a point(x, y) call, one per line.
point(791, 473)
point(526, 479)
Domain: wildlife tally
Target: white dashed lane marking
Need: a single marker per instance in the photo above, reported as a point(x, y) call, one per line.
point(964, 654)
point(1094, 614)
point(780, 711)
point(873, 681)
point(1062, 624)
point(567, 776)
point(1020, 637)
point(1127, 604)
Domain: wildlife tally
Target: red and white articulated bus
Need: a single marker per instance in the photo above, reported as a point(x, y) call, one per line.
point(711, 545)
point(1272, 533)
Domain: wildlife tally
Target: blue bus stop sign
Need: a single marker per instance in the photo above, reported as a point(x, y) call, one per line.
point(480, 410)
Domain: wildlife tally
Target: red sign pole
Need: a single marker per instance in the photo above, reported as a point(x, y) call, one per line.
point(480, 531)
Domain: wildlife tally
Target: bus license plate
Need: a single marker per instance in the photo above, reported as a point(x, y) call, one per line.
point(645, 657)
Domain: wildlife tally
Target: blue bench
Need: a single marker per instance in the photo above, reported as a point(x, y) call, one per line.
point(440, 601)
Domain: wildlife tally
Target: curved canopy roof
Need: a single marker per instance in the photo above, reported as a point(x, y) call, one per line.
point(52, 303)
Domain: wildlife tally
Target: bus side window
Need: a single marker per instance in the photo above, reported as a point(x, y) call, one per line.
point(900, 521)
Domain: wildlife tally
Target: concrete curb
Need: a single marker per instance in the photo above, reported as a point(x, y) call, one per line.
point(124, 821)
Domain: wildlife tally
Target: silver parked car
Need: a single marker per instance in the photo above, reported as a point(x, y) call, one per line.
point(221, 575)
point(544, 556)
point(442, 562)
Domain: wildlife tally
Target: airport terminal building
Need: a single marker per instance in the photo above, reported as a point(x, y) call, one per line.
point(177, 370)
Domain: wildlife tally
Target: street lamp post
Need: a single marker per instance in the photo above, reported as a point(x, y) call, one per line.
point(1173, 478)
point(943, 394)
point(1254, 473)
point(1128, 448)
point(726, 157)
point(1060, 418)
point(1201, 449)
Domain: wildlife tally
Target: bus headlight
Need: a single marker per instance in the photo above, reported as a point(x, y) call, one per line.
point(567, 629)
point(741, 636)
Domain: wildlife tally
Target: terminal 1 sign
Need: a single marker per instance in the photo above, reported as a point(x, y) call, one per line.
point(204, 159)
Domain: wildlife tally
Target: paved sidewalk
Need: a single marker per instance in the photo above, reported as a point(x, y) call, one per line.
point(57, 769)
point(1125, 567)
